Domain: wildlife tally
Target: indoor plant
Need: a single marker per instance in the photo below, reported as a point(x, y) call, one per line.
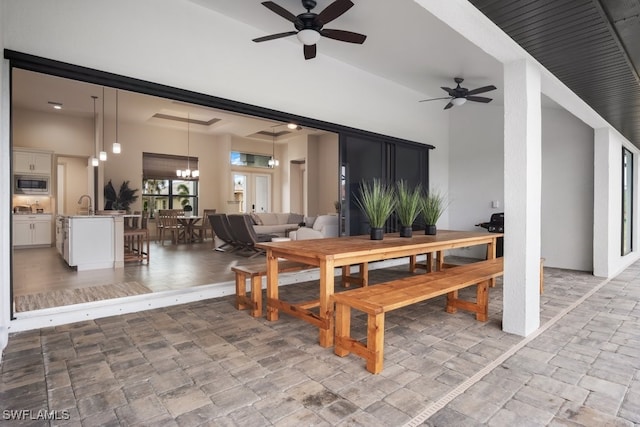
point(121, 200)
point(377, 200)
point(408, 207)
point(187, 210)
point(434, 203)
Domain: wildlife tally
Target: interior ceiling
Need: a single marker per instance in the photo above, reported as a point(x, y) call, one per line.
point(37, 92)
point(590, 45)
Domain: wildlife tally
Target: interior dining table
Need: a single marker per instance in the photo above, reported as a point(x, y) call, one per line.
point(347, 251)
point(188, 222)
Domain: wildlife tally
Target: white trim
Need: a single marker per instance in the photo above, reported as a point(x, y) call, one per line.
point(94, 310)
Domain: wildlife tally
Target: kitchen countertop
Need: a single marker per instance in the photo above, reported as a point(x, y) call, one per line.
point(32, 213)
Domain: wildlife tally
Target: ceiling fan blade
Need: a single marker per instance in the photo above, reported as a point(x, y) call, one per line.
point(478, 99)
point(309, 51)
point(448, 90)
point(334, 10)
point(344, 36)
point(434, 99)
point(280, 11)
point(449, 105)
point(481, 90)
point(274, 36)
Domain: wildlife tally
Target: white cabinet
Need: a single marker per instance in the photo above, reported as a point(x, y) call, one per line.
point(31, 162)
point(90, 242)
point(32, 230)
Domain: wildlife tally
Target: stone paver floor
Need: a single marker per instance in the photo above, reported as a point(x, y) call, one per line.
point(206, 363)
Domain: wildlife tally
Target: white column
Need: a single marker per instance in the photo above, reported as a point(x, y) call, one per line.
point(522, 193)
point(607, 203)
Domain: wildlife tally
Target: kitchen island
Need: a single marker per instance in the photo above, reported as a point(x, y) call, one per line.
point(91, 242)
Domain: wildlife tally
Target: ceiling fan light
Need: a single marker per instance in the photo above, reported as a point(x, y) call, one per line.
point(308, 37)
point(458, 101)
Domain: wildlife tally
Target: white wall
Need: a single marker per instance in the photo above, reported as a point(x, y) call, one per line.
point(477, 178)
point(607, 258)
point(476, 168)
point(567, 191)
point(75, 184)
point(61, 133)
point(329, 172)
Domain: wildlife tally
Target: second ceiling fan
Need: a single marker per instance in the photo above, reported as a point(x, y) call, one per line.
point(310, 26)
point(459, 95)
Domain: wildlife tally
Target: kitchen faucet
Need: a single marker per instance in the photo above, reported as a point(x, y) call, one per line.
point(89, 208)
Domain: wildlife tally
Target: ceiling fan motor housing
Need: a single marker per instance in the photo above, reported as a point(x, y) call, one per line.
point(309, 4)
point(308, 21)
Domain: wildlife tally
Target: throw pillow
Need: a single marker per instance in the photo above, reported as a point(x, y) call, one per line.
point(308, 221)
point(256, 219)
point(295, 218)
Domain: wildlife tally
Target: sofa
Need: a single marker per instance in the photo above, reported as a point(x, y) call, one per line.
point(275, 223)
point(319, 228)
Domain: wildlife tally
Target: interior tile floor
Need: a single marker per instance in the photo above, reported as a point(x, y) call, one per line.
point(172, 266)
point(206, 363)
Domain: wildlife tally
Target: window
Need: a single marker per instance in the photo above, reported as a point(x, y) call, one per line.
point(252, 160)
point(627, 201)
point(162, 189)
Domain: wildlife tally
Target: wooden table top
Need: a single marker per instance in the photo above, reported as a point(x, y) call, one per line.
point(350, 247)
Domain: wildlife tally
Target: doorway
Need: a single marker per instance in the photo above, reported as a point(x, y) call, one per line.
point(252, 192)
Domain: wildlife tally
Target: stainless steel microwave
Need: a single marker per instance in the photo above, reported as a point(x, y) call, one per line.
point(31, 184)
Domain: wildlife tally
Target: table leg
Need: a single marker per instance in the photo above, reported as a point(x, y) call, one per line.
point(326, 305)
point(491, 254)
point(272, 285)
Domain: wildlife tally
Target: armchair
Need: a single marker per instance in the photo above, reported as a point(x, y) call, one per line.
point(324, 226)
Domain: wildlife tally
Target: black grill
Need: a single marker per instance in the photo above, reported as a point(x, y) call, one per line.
point(495, 225)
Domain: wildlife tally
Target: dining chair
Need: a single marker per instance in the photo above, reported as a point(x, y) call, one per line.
point(168, 220)
point(136, 238)
point(242, 229)
point(205, 225)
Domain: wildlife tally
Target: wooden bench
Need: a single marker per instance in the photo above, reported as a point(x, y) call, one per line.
point(379, 299)
point(255, 272)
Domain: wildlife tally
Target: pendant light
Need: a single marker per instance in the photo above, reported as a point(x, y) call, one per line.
point(94, 159)
point(116, 145)
point(103, 154)
point(188, 173)
point(272, 161)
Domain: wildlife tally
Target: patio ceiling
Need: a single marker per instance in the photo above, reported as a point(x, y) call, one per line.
point(590, 45)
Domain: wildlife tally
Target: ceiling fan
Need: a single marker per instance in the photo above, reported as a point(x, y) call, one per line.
point(309, 25)
point(460, 95)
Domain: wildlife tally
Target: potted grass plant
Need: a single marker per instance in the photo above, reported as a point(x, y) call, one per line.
point(434, 203)
point(408, 206)
point(378, 201)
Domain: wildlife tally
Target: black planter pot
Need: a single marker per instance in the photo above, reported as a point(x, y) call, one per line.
point(406, 231)
point(430, 230)
point(377, 233)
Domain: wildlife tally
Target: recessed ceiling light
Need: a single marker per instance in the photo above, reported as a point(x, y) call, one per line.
point(56, 105)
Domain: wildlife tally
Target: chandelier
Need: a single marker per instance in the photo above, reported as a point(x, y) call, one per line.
point(188, 173)
point(272, 161)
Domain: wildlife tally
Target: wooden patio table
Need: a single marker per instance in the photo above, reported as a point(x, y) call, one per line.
point(345, 251)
